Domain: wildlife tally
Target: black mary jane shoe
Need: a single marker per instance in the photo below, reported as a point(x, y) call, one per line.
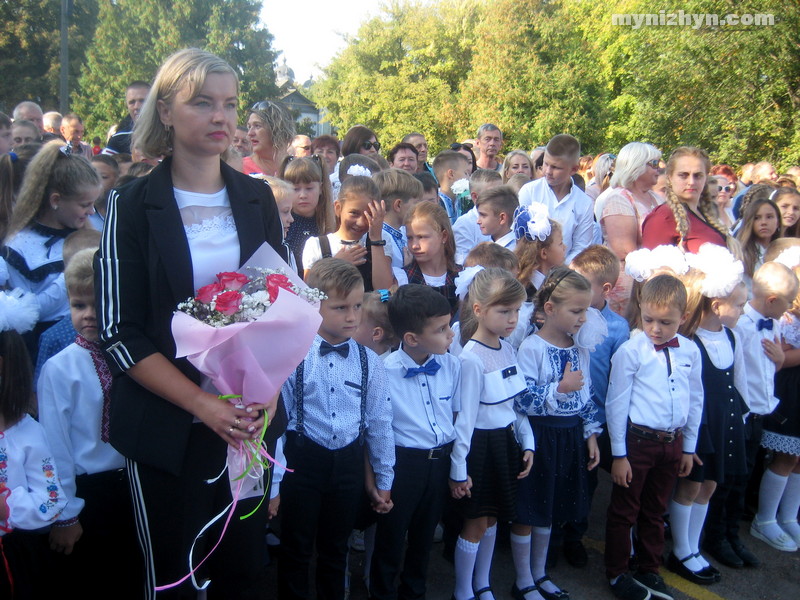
point(519, 594)
point(676, 565)
point(710, 570)
point(559, 595)
point(480, 592)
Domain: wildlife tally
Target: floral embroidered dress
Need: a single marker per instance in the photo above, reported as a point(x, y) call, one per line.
point(27, 470)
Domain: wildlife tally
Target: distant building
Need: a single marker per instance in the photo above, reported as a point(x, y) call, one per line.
point(307, 115)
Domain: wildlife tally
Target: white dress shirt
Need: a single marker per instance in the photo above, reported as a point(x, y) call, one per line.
point(70, 410)
point(509, 241)
point(467, 234)
point(423, 406)
point(661, 390)
point(490, 381)
point(332, 405)
point(760, 395)
point(574, 212)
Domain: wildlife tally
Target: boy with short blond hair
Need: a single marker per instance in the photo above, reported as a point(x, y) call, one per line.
point(400, 191)
point(450, 166)
point(759, 333)
point(567, 204)
point(466, 232)
point(74, 394)
point(653, 410)
point(601, 267)
point(496, 208)
point(337, 403)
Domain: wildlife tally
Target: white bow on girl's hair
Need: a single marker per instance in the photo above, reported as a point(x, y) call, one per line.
point(359, 170)
point(464, 280)
point(789, 257)
point(640, 264)
point(18, 311)
point(722, 272)
point(532, 222)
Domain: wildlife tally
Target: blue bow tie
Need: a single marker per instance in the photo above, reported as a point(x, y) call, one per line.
point(429, 368)
point(764, 324)
point(326, 348)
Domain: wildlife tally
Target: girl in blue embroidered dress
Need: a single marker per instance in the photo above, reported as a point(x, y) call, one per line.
point(563, 417)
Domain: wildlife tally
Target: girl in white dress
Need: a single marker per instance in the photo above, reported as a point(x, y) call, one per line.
point(494, 444)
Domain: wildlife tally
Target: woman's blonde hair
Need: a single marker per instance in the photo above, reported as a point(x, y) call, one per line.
point(706, 207)
point(311, 169)
point(507, 163)
point(50, 171)
point(187, 68)
point(437, 218)
point(490, 287)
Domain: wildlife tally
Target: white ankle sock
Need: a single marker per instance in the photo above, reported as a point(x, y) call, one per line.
point(769, 497)
point(680, 516)
point(696, 522)
point(521, 554)
point(464, 559)
point(483, 561)
point(790, 504)
point(540, 541)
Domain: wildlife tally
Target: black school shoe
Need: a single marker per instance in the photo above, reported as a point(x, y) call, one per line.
point(724, 553)
point(575, 553)
point(627, 588)
point(676, 565)
point(654, 584)
point(748, 558)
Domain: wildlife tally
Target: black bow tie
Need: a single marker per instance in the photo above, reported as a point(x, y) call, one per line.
point(673, 343)
point(764, 324)
point(342, 350)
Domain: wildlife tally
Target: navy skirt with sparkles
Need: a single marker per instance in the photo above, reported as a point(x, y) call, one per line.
point(557, 488)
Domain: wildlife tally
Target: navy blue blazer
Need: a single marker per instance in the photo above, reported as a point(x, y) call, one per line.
point(142, 271)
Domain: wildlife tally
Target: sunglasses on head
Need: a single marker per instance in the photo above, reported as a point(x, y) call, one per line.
point(369, 145)
point(458, 147)
point(263, 105)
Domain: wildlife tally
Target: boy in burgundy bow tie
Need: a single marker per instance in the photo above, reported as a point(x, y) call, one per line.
point(653, 408)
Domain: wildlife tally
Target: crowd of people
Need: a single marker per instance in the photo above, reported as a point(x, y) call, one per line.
point(496, 327)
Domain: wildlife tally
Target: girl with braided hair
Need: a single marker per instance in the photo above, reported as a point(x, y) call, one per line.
point(688, 218)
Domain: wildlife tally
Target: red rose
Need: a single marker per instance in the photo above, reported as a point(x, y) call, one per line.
point(276, 282)
point(229, 302)
point(206, 293)
point(232, 281)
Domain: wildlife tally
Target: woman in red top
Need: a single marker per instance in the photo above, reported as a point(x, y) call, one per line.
point(688, 219)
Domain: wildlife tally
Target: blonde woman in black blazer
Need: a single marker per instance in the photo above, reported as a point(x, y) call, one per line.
point(174, 433)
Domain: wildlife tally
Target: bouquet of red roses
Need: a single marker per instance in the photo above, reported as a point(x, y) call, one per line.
point(247, 332)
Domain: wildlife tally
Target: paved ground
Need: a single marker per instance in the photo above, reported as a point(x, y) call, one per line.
point(777, 579)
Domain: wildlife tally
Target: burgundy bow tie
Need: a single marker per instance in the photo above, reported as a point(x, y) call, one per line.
point(673, 343)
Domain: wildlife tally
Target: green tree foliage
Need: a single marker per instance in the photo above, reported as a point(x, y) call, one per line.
point(541, 67)
point(403, 72)
point(134, 37)
point(29, 49)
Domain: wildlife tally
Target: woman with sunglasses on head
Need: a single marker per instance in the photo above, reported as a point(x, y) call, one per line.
point(621, 209)
point(726, 181)
point(360, 140)
point(270, 128)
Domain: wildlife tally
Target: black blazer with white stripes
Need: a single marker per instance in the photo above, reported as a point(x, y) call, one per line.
point(142, 271)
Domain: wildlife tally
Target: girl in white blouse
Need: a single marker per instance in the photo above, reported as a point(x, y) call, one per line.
point(494, 444)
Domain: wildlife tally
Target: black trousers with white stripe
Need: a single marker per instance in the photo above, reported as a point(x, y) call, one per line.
point(171, 511)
